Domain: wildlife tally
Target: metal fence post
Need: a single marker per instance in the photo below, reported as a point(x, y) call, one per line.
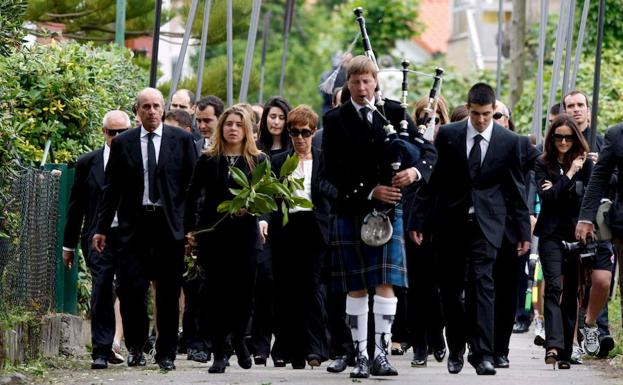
point(66, 280)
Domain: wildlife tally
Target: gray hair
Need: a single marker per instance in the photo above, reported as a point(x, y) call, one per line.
point(112, 113)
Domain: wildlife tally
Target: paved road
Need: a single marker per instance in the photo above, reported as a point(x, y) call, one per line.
point(527, 367)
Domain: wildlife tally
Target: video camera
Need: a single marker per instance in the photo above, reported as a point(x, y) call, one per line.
point(586, 251)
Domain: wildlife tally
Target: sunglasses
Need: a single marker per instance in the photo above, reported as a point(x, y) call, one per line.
point(295, 133)
point(423, 121)
point(110, 132)
point(567, 138)
point(498, 115)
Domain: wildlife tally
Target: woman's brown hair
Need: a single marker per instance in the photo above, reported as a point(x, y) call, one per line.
point(249, 149)
point(550, 153)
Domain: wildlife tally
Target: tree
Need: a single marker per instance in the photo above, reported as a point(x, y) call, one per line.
point(517, 51)
point(11, 33)
point(613, 25)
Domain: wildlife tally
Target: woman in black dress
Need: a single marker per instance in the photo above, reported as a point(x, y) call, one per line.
point(227, 254)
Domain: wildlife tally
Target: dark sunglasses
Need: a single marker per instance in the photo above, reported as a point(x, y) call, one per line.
point(498, 115)
point(110, 132)
point(295, 133)
point(568, 138)
point(422, 121)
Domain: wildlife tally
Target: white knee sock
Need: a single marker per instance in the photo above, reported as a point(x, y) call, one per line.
point(357, 312)
point(384, 312)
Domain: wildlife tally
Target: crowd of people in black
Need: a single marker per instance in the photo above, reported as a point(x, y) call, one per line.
point(448, 279)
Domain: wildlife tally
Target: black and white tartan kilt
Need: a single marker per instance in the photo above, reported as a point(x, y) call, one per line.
point(357, 266)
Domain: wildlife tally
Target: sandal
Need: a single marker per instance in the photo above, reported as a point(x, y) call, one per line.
point(551, 357)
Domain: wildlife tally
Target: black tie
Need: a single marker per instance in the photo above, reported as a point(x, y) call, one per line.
point(364, 115)
point(151, 168)
point(474, 157)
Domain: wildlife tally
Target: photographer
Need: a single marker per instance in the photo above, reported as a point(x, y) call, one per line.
point(561, 174)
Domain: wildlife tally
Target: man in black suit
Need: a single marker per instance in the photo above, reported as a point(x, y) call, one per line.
point(83, 204)
point(207, 112)
point(476, 182)
point(146, 181)
point(358, 164)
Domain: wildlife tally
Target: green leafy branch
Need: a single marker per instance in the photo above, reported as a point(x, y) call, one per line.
point(261, 194)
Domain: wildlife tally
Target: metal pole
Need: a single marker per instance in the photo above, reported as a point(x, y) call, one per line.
point(230, 53)
point(204, 42)
point(286, 34)
point(578, 49)
point(560, 33)
point(248, 62)
point(265, 33)
point(120, 24)
point(568, 51)
point(498, 72)
point(596, 79)
point(537, 120)
point(177, 72)
point(153, 71)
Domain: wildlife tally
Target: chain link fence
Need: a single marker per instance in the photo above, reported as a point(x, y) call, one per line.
point(28, 260)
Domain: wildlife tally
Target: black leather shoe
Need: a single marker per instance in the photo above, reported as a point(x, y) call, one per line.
point(279, 363)
point(197, 356)
point(298, 364)
point(338, 365)
point(382, 367)
point(501, 362)
point(166, 364)
point(259, 360)
point(485, 368)
point(455, 363)
point(99, 363)
point(218, 366)
point(521, 327)
point(361, 369)
point(439, 353)
point(243, 355)
point(420, 357)
point(136, 358)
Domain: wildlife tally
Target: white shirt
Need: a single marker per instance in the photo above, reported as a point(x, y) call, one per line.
point(157, 139)
point(304, 170)
point(115, 221)
point(484, 143)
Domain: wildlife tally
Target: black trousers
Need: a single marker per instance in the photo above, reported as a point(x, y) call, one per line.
point(262, 326)
point(468, 258)
point(560, 272)
point(152, 255)
point(298, 254)
point(506, 276)
point(425, 320)
point(103, 267)
point(191, 319)
point(229, 259)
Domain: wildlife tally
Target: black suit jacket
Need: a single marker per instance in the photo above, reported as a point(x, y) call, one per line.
point(562, 200)
point(610, 159)
point(319, 193)
point(84, 200)
point(498, 190)
point(124, 181)
point(356, 159)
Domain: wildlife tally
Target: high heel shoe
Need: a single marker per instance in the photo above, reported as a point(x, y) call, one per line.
point(551, 358)
point(564, 365)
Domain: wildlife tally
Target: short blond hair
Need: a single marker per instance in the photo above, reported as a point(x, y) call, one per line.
point(360, 65)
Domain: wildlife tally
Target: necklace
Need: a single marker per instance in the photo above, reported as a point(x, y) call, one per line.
point(231, 161)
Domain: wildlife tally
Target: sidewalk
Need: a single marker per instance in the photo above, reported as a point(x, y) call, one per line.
point(526, 367)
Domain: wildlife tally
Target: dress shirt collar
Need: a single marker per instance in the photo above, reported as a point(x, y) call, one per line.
point(359, 106)
point(157, 131)
point(486, 134)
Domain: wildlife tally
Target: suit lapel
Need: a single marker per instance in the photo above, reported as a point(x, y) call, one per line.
point(98, 169)
point(166, 142)
point(134, 148)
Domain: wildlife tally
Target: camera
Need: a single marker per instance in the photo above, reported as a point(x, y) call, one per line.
point(586, 251)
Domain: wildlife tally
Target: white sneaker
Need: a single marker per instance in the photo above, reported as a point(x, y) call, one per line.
point(539, 331)
point(591, 340)
point(576, 356)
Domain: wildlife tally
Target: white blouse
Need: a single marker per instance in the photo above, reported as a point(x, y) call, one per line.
point(304, 170)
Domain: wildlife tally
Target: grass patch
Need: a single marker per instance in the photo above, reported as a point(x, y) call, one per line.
point(614, 320)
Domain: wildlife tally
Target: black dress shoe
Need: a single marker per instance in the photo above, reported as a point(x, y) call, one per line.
point(279, 363)
point(485, 368)
point(439, 353)
point(99, 363)
point(521, 327)
point(501, 362)
point(166, 364)
point(218, 366)
point(243, 355)
point(136, 358)
point(259, 360)
point(420, 357)
point(197, 356)
point(455, 363)
point(382, 367)
point(362, 368)
point(298, 364)
point(338, 365)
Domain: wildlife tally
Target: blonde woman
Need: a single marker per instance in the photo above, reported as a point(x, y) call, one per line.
point(228, 254)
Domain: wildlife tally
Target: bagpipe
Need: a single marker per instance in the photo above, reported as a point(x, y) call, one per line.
point(401, 150)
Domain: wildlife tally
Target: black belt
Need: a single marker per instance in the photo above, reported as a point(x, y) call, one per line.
point(151, 208)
